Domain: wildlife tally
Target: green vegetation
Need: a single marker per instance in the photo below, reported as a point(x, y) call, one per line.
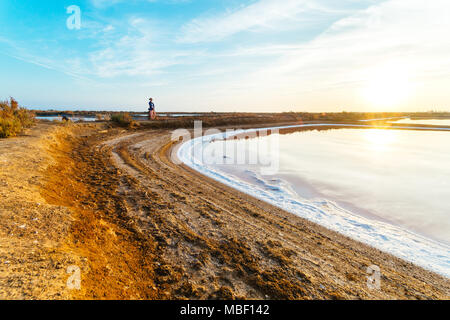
point(13, 119)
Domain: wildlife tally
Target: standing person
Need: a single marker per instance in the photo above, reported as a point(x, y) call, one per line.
point(151, 110)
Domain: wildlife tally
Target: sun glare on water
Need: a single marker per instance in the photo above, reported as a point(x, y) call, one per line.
point(387, 86)
point(379, 139)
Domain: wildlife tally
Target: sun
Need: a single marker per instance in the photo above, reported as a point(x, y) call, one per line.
point(387, 85)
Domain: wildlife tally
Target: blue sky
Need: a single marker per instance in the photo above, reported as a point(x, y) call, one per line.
point(227, 55)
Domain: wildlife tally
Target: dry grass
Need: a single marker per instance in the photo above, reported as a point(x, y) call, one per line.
point(124, 120)
point(103, 117)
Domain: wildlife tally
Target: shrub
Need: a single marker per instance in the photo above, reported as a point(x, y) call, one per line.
point(13, 119)
point(103, 117)
point(9, 127)
point(123, 119)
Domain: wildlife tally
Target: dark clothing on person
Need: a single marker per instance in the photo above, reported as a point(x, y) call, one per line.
point(151, 106)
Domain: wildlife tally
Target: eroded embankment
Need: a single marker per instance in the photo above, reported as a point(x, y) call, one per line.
point(117, 260)
point(32, 232)
point(142, 227)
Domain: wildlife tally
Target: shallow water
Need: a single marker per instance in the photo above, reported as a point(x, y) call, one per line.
point(58, 118)
point(388, 188)
point(434, 122)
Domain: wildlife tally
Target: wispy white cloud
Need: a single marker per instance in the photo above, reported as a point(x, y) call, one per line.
point(261, 15)
point(404, 34)
point(409, 36)
point(109, 3)
point(105, 3)
point(270, 65)
point(137, 53)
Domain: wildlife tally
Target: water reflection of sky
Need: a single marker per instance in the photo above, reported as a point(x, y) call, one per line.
point(399, 176)
point(434, 122)
point(59, 118)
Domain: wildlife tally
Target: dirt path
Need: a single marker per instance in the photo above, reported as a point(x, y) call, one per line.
point(222, 244)
point(144, 228)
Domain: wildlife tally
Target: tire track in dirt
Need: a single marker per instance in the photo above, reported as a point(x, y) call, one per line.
point(231, 245)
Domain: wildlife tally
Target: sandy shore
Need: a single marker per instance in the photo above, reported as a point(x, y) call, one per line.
point(112, 203)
